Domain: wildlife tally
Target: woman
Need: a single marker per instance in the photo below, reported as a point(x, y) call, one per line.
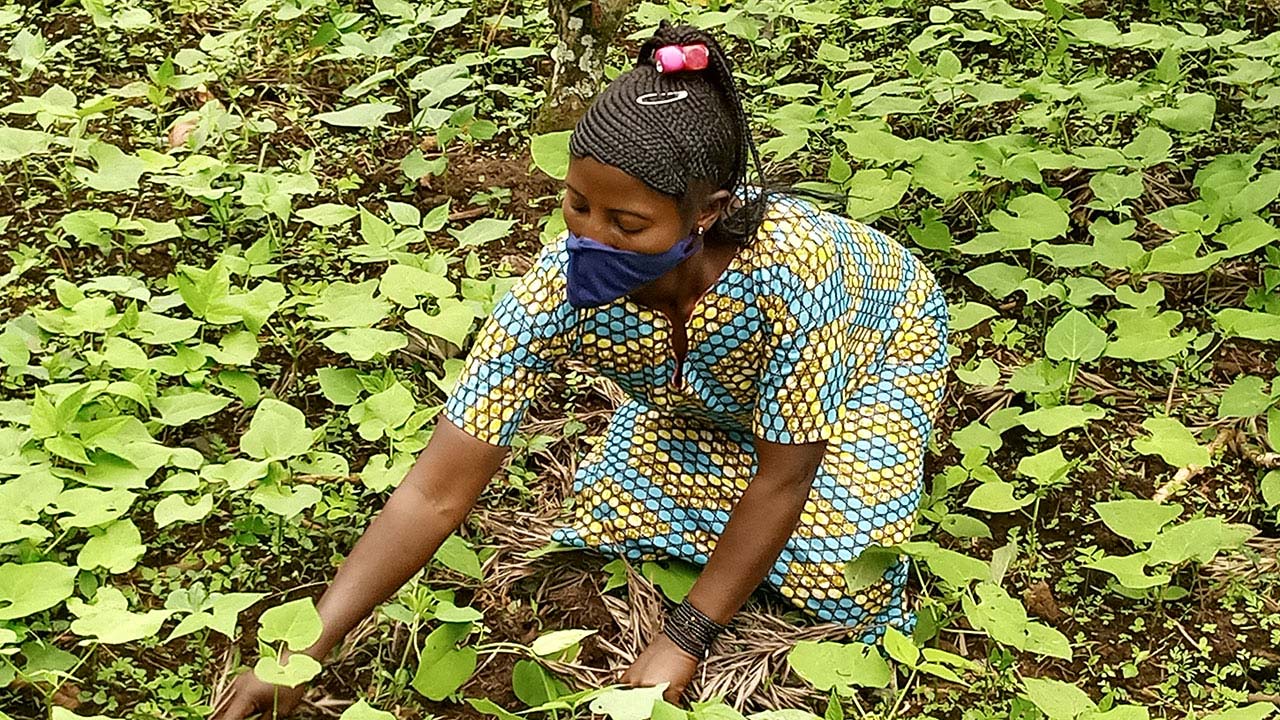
point(783, 365)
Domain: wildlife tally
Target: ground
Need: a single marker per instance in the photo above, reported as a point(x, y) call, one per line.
point(202, 203)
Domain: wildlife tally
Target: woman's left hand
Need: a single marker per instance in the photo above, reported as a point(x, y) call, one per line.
point(662, 661)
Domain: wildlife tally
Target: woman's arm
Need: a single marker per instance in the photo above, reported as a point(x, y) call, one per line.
point(759, 526)
point(430, 503)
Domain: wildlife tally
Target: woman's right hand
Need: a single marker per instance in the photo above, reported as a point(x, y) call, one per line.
point(430, 503)
point(249, 697)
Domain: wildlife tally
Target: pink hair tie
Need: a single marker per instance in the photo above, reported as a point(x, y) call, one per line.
point(674, 58)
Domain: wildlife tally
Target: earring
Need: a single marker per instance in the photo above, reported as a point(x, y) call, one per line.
point(701, 230)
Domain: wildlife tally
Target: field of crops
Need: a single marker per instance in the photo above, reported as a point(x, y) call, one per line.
point(246, 246)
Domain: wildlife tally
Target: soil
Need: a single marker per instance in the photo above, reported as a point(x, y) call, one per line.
point(1111, 636)
point(1239, 356)
point(533, 194)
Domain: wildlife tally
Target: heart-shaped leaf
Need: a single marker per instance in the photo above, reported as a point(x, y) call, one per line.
point(551, 153)
point(295, 623)
point(443, 667)
point(1075, 337)
point(296, 670)
point(108, 619)
point(278, 431)
point(117, 549)
point(28, 589)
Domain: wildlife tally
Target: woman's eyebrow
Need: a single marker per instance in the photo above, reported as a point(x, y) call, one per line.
point(632, 213)
point(623, 211)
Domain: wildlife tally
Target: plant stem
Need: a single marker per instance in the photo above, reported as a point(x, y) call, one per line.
point(893, 711)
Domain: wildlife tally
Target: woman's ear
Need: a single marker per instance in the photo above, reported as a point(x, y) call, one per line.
point(712, 209)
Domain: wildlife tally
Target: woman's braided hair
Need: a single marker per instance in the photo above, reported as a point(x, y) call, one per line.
point(681, 133)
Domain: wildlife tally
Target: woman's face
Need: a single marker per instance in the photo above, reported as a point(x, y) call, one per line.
point(605, 204)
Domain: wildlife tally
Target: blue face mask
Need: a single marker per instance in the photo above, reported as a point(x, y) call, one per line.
point(599, 274)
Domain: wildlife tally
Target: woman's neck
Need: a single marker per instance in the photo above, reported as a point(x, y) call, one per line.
point(676, 292)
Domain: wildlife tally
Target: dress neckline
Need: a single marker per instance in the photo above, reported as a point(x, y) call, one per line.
point(659, 318)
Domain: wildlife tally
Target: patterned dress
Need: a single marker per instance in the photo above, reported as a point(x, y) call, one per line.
point(823, 329)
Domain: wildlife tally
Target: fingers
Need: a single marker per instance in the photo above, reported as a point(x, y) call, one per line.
point(221, 703)
point(232, 706)
point(230, 695)
point(234, 709)
point(672, 694)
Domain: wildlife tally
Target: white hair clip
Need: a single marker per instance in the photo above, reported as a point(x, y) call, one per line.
point(662, 97)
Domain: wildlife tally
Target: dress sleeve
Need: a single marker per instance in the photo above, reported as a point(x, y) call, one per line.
point(846, 326)
point(529, 330)
point(903, 389)
point(905, 392)
point(813, 348)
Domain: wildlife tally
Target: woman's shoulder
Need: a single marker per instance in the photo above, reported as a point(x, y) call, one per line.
point(802, 247)
point(540, 295)
point(797, 237)
point(547, 270)
point(795, 224)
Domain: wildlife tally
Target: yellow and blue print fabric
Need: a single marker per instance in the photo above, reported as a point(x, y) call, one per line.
point(823, 329)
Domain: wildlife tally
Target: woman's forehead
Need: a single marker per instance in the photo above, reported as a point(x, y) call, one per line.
point(611, 187)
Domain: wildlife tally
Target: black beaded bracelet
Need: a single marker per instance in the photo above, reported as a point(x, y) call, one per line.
point(691, 629)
